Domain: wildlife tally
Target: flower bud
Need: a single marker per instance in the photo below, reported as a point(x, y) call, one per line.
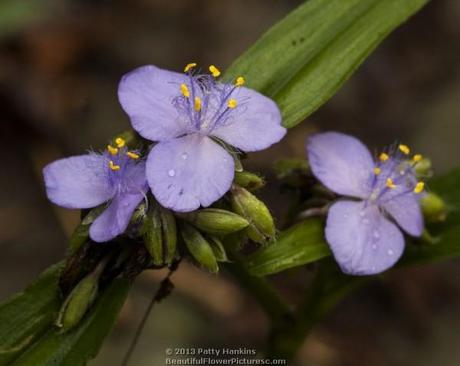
point(218, 249)
point(78, 302)
point(285, 168)
point(248, 180)
point(169, 230)
point(139, 213)
point(199, 247)
point(261, 227)
point(216, 221)
point(152, 234)
point(433, 207)
point(423, 168)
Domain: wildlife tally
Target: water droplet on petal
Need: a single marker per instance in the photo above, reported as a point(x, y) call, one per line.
point(374, 246)
point(184, 156)
point(365, 221)
point(362, 213)
point(172, 173)
point(390, 252)
point(376, 234)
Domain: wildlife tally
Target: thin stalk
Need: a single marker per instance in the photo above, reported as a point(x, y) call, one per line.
point(163, 291)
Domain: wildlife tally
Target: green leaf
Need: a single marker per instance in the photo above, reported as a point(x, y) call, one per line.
point(305, 58)
point(79, 345)
point(301, 244)
point(29, 314)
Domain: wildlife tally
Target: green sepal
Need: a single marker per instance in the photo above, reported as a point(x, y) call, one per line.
point(199, 247)
point(152, 234)
point(248, 180)
point(78, 302)
point(169, 230)
point(218, 249)
point(216, 221)
point(261, 227)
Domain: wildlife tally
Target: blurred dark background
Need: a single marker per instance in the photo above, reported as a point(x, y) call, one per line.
point(60, 62)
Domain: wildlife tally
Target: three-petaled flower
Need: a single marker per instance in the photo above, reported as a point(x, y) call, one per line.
point(361, 233)
point(116, 176)
point(188, 115)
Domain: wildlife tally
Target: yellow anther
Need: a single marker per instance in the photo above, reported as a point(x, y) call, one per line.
point(120, 142)
point(132, 155)
point(113, 166)
point(383, 157)
point(197, 104)
point(419, 187)
point(239, 81)
point(377, 171)
point(390, 183)
point(214, 71)
point(184, 90)
point(189, 66)
point(404, 149)
point(112, 150)
point(416, 158)
point(232, 103)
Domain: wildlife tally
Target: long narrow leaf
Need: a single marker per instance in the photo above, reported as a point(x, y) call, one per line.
point(29, 314)
point(304, 59)
point(81, 344)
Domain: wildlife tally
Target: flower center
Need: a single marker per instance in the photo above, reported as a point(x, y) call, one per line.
point(394, 175)
point(205, 102)
point(119, 161)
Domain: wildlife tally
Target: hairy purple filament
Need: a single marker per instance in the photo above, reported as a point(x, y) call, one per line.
point(213, 109)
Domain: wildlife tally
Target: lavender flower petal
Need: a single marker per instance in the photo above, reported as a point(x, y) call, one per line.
point(78, 181)
point(341, 162)
point(254, 124)
point(362, 240)
point(190, 171)
point(146, 94)
point(405, 209)
point(115, 219)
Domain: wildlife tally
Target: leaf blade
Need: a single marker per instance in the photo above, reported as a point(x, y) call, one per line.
point(27, 315)
point(76, 347)
point(301, 244)
point(332, 38)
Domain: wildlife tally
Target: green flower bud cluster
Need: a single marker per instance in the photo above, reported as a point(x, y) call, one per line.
point(158, 237)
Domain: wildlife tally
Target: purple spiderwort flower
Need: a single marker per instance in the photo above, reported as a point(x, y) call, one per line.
point(361, 233)
point(116, 176)
point(186, 114)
